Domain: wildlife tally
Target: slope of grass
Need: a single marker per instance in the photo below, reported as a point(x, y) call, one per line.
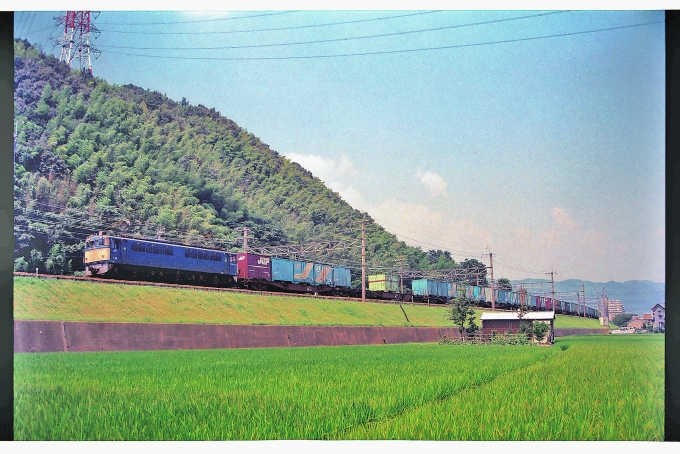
point(51, 299)
point(570, 321)
point(48, 299)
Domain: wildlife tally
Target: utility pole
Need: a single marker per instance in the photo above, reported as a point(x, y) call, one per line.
point(400, 262)
point(493, 292)
point(14, 148)
point(583, 287)
point(552, 283)
point(245, 240)
point(363, 258)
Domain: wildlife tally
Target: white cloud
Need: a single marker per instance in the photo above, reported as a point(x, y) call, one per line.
point(349, 194)
point(577, 252)
point(432, 229)
point(563, 220)
point(324, 168)
point(434, 183)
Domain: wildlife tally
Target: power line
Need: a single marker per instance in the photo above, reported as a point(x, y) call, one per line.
point(199, 20)
point(471, 254)
point(350, 38)
point(255, 30)
point(516, 267)
point(388, 52)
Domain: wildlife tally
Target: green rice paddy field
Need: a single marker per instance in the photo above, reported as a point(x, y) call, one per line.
point(596, 387)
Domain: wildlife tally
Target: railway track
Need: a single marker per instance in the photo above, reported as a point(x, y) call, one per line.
point(208, 288)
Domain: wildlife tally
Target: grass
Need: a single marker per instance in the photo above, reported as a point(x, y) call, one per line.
point(302, 393)
point(570, 321)
point(600, 388)
point(51, 299)
point(47, 299)
point(596, 388)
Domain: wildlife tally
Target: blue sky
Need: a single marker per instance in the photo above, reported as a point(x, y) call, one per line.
point(547, 152)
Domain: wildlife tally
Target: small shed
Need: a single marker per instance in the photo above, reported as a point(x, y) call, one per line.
point(502, 322)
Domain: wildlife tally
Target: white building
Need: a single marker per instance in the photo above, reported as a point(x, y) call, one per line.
point(615, 308)
point(659, 313)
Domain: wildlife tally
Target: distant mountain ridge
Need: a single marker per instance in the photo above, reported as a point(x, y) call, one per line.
point(637, 296)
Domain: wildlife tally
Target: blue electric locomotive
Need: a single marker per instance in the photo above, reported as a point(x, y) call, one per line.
point(107, 256)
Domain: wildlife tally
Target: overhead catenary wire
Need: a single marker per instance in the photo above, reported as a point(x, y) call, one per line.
point(193, 21)
point(343, 39)
point(268, 29)
point(388, 52)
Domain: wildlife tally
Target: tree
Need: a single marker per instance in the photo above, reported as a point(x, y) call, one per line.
point(461, 313)
point(56, 260)
point(622, 319)
point(539, 330)
point(473, 267)
point(504, 284)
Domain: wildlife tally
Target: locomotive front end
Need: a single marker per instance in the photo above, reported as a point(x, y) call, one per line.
point(97, 255)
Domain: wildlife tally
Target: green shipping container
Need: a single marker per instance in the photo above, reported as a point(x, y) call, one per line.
point(383, 282)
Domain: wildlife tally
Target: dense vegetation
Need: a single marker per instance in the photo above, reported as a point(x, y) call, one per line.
point(412, 391)
point(94, 156)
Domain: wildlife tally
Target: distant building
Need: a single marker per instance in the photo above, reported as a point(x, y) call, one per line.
point(615, 308)
point(637, 324)
point(659, 313)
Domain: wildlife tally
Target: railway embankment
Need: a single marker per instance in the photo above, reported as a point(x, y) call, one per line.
point(57, 315)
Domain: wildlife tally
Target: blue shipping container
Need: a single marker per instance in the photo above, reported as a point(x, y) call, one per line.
point(303, 272)
point(424, 287)
point(341, 277)
point(323, 274)
point(282, 270)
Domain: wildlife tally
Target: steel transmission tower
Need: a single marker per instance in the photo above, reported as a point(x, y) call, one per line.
point(75, 43)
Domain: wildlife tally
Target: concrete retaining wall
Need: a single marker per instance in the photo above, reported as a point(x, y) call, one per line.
point(562, 332)
point(52, 336)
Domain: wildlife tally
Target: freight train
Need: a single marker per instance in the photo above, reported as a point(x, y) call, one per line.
point(158, 260)
point(505, 299)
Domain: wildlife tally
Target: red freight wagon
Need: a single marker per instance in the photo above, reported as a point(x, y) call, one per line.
point(253, 266)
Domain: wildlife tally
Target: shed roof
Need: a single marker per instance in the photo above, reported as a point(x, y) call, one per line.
point(547, 315)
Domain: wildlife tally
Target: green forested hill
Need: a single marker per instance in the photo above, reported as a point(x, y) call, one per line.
point(94, 156)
